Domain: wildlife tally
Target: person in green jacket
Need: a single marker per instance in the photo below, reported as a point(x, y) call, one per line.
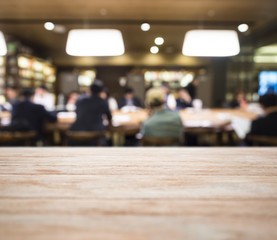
point(162, 123)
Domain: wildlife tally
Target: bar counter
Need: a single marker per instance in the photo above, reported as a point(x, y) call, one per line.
point(138, 193)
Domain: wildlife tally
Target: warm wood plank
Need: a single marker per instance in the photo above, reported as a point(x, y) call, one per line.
point(138, 193)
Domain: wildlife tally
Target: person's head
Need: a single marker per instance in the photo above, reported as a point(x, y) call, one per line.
point(26, 93)
point(128, 93)
point(239, 95)
point(195, 81)
point(104, 94)
point(165, 88)
point(73, 97)
point(183, 94)
point(97, 87)
point(41, 90)
point(155, 98)
point(268, 100)
point(11, 92)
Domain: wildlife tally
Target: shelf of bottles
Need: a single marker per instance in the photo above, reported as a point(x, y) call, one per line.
point(175, 79)
point(34, 72)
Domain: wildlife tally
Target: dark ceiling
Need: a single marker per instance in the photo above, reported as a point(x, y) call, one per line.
point(170, 19)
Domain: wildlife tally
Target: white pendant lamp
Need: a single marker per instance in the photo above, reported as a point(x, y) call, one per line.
point(95, 42)
point(3, 46)
point(211, 43)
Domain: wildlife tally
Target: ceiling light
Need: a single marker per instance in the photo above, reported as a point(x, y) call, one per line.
point(159, 41)
point(154, 49)
point(59, 29)
point(243, 27)
point(3, 46)
point(265, 59)
point(145, 27)
point(103, 11)
point(95, 42)
point(212, 43)
point(49, 26)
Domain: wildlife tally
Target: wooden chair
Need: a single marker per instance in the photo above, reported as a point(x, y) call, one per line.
point(80, 137)
point(24, 138)
point(154, 141)
point(257, 140)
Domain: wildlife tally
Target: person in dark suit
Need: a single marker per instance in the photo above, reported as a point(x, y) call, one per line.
point(90, 111)
point(129, 99)
point(267, 124)
point(192, 87)
point(183, 100)
point(27, 115)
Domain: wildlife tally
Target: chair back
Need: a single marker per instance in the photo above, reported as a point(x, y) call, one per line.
point(155, 141)
point(257, 140)
point(18, 137)
point(84, 136)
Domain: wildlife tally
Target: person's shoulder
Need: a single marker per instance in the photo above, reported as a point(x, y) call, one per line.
point(171, 112)
point(20, 104)
point(149, 121)
point(99, 100)
point(37, 107)
point(260, 121)
point(273, 114)
point(174, 115)
point(267, 119)
point(83, 99)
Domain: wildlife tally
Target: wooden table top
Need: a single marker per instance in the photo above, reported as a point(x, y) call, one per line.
point(205, 118)
point(138, 193)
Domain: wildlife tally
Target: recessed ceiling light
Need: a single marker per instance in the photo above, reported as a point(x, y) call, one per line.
point(211, 13)
point(145, 27)
point(159, 41)
point(154, 49)
point(103, 11)
point(95, 42)
point(49, 26)
point(59, 29)
point(243, 27)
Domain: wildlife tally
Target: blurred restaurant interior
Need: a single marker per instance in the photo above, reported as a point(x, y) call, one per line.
point(36, 33)
point(173, 107)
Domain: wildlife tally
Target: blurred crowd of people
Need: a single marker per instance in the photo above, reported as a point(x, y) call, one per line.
point(30, 109)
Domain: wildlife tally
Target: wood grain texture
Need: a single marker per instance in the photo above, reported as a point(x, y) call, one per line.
point(138, 193)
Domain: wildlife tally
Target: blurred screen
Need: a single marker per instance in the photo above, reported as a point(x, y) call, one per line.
point(267, 82)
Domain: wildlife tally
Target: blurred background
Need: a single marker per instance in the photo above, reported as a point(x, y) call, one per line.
point(22, 23)
point(153, 31)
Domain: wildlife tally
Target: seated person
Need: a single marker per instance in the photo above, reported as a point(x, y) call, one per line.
point(110, 100)
point(71, 101)
point(267, 124)
point(184, 99)
point(192, 87)
point(27, 115)
point(170, 102)
point(163, 122)
point(90, 111)
point(43, 97)
point(12, 97)
point(239, 100)
point(129, 99)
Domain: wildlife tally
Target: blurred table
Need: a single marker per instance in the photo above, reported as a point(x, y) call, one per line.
point(216, 122)
point(138, 193)
point(207, 121)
